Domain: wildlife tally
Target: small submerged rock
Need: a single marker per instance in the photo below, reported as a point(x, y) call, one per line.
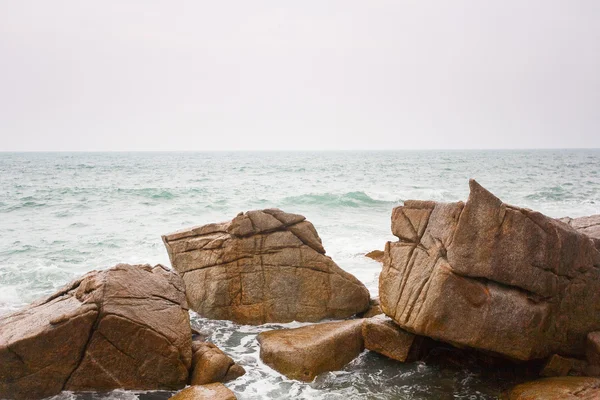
point(303, 353)
point(263, 266)
point(126, 327)
point(210, 364)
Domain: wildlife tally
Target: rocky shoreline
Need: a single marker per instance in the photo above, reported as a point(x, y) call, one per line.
point(506, 286)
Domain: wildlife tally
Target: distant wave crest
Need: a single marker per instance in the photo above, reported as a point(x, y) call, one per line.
point(350, 199)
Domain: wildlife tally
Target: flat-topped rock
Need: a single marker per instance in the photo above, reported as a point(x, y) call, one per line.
point(263, 266)
point(303, 353)
point(491, 276)
point(126, 327)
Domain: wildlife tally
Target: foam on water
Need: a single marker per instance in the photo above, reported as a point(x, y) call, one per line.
point(64, 214)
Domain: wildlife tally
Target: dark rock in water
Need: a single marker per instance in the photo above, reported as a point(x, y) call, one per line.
point(127, 327)
point(263, 266)
point(383, 336)
point(303, 353)
point(491, 276)
point(563, 366)
point(210, 364)
point(563, 388)
point(376, 255)
point(213, 391)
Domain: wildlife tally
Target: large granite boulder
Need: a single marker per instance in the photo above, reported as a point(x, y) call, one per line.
point(127, 327)
point(491, 276)
point(563, 388)
point(263, 266)
point(303, 353)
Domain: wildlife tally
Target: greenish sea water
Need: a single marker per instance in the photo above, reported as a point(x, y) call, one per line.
point(63, 214)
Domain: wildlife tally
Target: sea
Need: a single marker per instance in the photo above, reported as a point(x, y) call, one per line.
point(64, 214)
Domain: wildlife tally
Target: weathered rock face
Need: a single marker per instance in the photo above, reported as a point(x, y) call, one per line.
point(210, 364)
point(213, 391)
point(491, 276)
point(263, 266)
point(589, 225)
point(383, 336)
point(564, 388)
point(303, 353)
point(563, 366)
point(126, 327)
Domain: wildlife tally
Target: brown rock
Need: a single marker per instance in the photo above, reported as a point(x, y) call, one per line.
point(303, 353)
point(376, 255)
point(210, 364)
point(263, 266)
point(126, 327)
point(592, 353)
point(374, 309)
point(213, 391)
point(589, 225)
point(491, 276)
point(563, 388)
point(383, 336)
point(563, 366)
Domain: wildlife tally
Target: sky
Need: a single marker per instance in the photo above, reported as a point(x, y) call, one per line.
point(299, 75)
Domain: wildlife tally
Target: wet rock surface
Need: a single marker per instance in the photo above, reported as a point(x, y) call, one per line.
point(491, 276)
point(303, 353)
point(263, 266)
point(126, 327)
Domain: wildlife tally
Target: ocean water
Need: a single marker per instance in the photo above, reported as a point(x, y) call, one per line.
point(63, 214)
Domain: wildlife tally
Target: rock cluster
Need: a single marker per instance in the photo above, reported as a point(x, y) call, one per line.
point(491, 276)
point(126, 327)
point(263, 266)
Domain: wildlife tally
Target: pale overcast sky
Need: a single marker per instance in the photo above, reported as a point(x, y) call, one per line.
point(263, 75)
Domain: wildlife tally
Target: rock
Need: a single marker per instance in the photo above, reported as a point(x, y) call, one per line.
point(376, 255)
point(589, 225)
point(263, 266)
point(373, 310)
point(592, 353)
point(127, 327)
point(563, 388)
point(491, 276)
point(213, 391)
point(563, 366)
point(210, 364)
point(303, 353)
point(383, 336)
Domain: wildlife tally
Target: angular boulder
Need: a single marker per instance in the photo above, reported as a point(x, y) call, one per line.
point(127, 327)
point(263, 266)
point(303, 353)
point(210, 364)
point(383, 336)
point(563, 388)
point(213, 391)
point(558, 365)
point(491, 276)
